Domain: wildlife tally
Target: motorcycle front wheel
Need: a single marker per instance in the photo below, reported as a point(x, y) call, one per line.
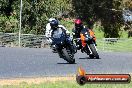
point(94, 51)
point(68, 56)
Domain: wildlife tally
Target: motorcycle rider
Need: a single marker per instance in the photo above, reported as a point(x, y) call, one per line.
point(48, 34)
point(55, 26)
point(76, 32)
point(48, 30)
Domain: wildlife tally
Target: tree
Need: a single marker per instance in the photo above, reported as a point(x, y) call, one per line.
point(35, 13)
point(108, 11)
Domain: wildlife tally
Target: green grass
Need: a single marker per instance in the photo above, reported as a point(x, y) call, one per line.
point(66, 84)
point(100, 34)
point(123, 45)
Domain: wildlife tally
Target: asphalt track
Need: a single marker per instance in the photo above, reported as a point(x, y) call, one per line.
point(36, 62)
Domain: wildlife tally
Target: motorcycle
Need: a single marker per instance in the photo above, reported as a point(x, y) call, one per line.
point(88, 45)
point(63, 46)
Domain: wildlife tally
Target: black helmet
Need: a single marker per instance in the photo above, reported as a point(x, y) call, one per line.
point(54, 24)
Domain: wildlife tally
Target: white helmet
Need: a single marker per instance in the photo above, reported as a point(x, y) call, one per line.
point(51, 19)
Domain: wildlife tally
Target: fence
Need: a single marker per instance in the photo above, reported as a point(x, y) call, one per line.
point(39, 41)
point(27, 40)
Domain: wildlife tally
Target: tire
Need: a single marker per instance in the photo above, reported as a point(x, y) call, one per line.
point(93, 49)
point(91, 56)
point(81, 80)
point(68, 56)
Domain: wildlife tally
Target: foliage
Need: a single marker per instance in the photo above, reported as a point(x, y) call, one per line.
point(109, 12)
point(35, 14)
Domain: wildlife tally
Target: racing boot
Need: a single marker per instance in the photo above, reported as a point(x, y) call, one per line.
point(60, 55)
point(95, 43)
point(82, 49)
point(73, 49)
point(53, 48)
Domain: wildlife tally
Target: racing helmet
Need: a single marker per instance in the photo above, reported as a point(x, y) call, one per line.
point(78, 24)
point(54, 24)
point(51, 19)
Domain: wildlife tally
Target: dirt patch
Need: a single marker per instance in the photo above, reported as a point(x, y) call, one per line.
point(17, 81)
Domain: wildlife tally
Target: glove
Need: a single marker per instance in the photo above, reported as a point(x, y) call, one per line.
point(49, 40)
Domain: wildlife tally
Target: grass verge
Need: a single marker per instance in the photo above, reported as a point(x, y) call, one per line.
point(122, 45)
point(62, 82)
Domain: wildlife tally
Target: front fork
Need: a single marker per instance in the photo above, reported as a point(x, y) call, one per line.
point(89, 49)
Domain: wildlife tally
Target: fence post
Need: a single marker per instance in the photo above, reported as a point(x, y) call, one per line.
point(20, 24)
